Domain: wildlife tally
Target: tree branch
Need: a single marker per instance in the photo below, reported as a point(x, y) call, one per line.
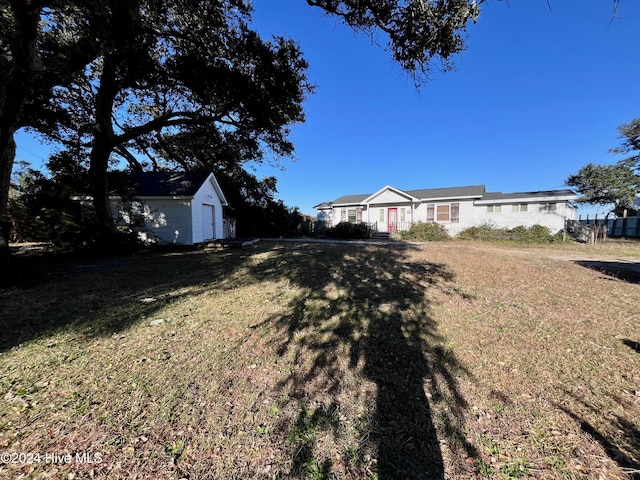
point(171, 119)
point(129, 157)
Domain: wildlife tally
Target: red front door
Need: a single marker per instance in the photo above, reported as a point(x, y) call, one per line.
point(392, 217)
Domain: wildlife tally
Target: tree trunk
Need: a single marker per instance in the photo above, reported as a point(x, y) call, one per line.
point(13, 97)
point(7, 155)
point(103, 144)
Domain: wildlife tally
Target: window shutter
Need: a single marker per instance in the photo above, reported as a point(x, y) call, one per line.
point(430, 212)
point(359, 215)
point(343, 215)
point(455, 212)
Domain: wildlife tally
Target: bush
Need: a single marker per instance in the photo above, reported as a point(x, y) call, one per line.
point(347, 230)
point(485, 231)
point(426, 232)
point(519, 234)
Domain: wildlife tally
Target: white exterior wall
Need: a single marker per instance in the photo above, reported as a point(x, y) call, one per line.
point(169, 220)
point(388, 197)
point(506, 218)
point(206, 195)
point(466, 216)
point(372, 214)
point(325, 215)
point(472, 211)
point(166, 220)
point(413, 212)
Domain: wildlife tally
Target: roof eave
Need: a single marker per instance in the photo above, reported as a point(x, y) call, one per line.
point(466, 197)
point(561, 198)
point(410, 197)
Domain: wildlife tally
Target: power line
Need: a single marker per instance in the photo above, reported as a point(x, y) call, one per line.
point(32, 153)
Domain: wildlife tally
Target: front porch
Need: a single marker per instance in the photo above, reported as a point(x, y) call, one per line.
point(387, 228)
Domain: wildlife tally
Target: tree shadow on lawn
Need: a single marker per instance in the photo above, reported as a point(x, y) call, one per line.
point(625, 450)
point(370, 306)
point(635, 346)
point(626, 271)
point(103, 296)
point(361, 311)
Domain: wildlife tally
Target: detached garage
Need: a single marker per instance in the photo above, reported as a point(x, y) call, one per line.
point(176, 208)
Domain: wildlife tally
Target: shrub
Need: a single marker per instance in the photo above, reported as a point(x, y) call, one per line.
point(347, 230)
point(426, 232)
point(519, 234)
point(485, 231)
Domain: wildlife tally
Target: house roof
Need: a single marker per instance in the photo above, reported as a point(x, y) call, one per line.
point(431, 193)
point(167, 184)
point(389, 188)
point(451, 192)
point(351, 199)
point(323, 205)
point(472, 191)
point(498, 196)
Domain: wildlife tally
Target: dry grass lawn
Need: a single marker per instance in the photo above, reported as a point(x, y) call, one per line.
point(449, 360)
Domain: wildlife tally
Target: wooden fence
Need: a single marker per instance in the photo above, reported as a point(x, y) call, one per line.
point(628, 227)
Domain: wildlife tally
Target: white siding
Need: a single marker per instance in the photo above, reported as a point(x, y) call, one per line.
point(470, 214)
point(466, 217)
point(206, 195)
point(325, 215)
point(388, 197)
point(507, 218)
point(169, 220)
point(208, 222)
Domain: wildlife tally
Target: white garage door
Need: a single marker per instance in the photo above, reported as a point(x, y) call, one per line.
point(208, 218)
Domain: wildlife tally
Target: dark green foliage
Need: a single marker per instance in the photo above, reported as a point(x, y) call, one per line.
point(481, 232)
point(615, 185)
point(519, 234)
point(426, 232)
point(272, 219)
point(609, 185)
point(417, 34)
point(347, 230)
point(42, 210)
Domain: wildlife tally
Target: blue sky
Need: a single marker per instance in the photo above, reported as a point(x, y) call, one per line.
point(538, 94)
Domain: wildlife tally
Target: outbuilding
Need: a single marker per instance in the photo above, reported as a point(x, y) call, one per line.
point(175, 208)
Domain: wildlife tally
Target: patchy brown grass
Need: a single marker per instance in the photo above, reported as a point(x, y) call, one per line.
point(453, 360)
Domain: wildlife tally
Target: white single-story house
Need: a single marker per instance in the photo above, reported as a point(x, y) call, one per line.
point(173, 208)
point(457, 208)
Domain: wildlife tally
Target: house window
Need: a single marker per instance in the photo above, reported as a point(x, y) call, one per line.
point(352, 215)
point(547, 207)
point(403, 214)
point(455, 212)
point(430, 211)
point(519, 208)
point(494, 208)
point(442, 213)
point(381, 215)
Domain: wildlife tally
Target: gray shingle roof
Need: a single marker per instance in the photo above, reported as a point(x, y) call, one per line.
point(477, 191)
point(451, 192)
point(519, 195)
point(351, 199)
point(323, 205)
point(167, 184)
